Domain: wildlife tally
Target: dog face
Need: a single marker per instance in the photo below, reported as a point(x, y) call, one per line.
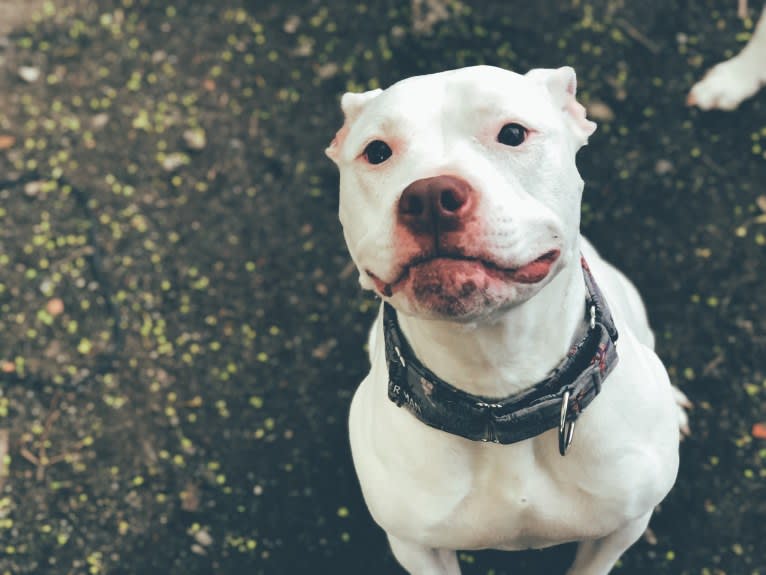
point(459, 194)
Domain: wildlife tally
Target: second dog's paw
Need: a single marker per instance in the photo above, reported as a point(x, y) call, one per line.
point(683, 403)
point(726, 85)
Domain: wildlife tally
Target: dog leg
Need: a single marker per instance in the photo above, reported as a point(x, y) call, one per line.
point(419, 560)
point(597, 557)
point(727, 84)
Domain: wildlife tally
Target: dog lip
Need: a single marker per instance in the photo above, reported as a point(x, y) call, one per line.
point(549, 256)
point(536, 270)
point(387, 288)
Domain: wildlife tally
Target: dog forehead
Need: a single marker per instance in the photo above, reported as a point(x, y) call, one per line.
point(463, 94)
point(469, 87)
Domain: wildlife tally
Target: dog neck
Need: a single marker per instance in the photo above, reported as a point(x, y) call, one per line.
point(500, 357)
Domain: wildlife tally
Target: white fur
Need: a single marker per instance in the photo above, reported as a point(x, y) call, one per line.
point(433, 492)
point(727, 84)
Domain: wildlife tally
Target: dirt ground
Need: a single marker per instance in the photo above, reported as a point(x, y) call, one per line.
point(180, 329)
point(15, 13)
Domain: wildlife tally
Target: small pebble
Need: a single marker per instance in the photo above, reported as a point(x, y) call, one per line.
point(663, 167)
point(291, 24)
point(195, 139)
point(203, 538)
point(29, 74)
point(33, 188)
point(174, 161)
point(99, 121)
point(328, 70)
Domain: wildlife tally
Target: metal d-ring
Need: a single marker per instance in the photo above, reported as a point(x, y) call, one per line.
point(566, 428)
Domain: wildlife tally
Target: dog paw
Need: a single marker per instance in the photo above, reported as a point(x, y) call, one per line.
point(726, 85)
point(682, 403)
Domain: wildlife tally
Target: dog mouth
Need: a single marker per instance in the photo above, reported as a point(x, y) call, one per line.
point(532, 272)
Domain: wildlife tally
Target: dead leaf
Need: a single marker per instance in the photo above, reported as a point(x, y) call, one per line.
point(55, 306)
point(759, 430)
point(7, 141)
point(324, 349)
point(600, 111)
point(761, 202)
point(650, 537)
point(190, 498)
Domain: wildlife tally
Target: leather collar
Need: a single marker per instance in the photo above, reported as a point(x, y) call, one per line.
point(556, 401)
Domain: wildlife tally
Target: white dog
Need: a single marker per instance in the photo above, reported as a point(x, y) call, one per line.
point(460, 204)
point(727, 84)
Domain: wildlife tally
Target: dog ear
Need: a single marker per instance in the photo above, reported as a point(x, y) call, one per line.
point(352, 104)
point(562, 85)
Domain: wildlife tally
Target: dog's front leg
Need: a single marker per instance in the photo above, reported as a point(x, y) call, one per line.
point(597, 557)
point(420, 560)
point(727, 84)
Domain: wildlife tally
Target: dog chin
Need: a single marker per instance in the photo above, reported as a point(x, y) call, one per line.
point(458, 290)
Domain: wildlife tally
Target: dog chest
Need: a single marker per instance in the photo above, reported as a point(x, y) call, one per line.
point(499, 509)
point(447, 492)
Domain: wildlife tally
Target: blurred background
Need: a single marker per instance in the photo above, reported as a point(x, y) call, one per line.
point(181, 329)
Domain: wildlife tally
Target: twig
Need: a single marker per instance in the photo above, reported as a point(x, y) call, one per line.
point(41, 460)
point(53, 415)
point(29, 456)
point(713, 364)
point(4, 435)
point(742, 9)
point(347, 270)
point(712, 165)
point(639, 37)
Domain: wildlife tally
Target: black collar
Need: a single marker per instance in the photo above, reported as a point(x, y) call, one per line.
point(556, 401)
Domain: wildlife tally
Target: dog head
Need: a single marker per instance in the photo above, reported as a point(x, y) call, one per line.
point(459, 194)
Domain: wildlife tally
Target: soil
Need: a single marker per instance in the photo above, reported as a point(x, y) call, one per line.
point(180, 328)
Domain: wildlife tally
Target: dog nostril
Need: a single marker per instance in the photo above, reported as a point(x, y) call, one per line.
point(437, 202)
point(450, 200)
point(412, 205)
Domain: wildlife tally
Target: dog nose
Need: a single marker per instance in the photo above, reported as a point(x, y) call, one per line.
point(441, 203)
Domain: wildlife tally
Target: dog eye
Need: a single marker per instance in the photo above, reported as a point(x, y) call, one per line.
point(377, 152)
point(512, 135)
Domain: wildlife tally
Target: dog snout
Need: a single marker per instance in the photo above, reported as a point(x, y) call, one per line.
point(432, 205)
